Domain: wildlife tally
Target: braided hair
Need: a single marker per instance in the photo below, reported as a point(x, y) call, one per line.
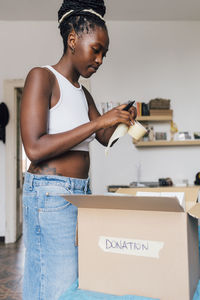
point(80, 21)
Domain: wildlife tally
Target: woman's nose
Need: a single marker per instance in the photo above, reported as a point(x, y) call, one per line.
point(99, 59)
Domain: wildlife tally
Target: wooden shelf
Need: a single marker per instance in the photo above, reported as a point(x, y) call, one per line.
point(167, 143)
point(155, 118)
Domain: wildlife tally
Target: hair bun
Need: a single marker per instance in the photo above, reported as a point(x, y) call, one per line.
point(67, 5)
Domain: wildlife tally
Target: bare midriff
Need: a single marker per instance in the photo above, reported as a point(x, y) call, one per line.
point(73, 164)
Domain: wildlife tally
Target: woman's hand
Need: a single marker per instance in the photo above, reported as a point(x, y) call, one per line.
point(117, 115)
point(106, 124)
point(133, 112)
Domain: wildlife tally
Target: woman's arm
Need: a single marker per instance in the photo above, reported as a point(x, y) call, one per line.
point(38, 144)
point(103, 135)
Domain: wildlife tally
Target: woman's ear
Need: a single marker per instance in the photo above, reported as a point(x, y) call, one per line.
point(72, 38)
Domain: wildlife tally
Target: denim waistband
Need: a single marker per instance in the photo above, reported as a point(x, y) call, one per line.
point(34, 180)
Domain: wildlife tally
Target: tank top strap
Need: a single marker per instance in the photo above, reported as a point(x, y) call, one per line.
point(62, 80)
point(57, 75)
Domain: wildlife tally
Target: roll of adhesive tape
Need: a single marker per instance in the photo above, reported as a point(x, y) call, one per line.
point(137, 131)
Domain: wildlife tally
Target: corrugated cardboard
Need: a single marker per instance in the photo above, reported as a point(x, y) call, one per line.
point(191, 192)
point(145, 246)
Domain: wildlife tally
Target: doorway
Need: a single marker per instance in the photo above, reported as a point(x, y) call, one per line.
point(19, 174)
point(22, 165)
point(13, 169)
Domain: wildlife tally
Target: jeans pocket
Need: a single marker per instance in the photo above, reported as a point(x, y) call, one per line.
point(53, 200)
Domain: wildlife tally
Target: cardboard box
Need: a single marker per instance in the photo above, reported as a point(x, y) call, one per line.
point(145, 246)
point(190, 192)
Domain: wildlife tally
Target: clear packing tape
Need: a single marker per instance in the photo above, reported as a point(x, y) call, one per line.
point(137, 131)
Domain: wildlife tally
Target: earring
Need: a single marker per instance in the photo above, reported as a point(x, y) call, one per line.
point(73, 50)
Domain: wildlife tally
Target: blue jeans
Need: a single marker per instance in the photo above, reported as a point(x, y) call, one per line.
point(49, 231)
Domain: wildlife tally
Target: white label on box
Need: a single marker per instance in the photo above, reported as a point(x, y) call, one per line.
point(130, 246)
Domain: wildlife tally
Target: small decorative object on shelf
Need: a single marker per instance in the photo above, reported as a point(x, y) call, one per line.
point(161, 136)
point(182, 136)
point(196, 135)
point(151, 134)
point(159, 103)
point(173, 130)
point(165, 182)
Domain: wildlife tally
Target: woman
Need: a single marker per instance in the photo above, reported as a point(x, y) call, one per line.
point(58, 121)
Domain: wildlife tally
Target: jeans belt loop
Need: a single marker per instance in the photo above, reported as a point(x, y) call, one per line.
point(30, 181)
point(86, 186)
point(72, 185)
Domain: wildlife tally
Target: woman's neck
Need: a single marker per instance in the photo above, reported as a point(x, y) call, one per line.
point(66, 68)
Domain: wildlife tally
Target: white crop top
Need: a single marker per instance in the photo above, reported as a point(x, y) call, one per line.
point(70, 111)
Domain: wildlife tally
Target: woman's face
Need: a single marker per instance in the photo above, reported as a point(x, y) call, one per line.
point(90, 49)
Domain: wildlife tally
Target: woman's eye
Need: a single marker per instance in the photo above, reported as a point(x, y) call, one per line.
point(95, 50)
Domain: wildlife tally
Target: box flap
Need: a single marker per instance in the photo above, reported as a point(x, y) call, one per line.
point(179, 195)
point(191, 192)
point(195, 211)
point(167, 204)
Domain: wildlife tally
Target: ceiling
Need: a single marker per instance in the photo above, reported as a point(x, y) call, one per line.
point(128, 10)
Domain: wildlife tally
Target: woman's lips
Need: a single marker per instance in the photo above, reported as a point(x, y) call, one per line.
point(93, 68)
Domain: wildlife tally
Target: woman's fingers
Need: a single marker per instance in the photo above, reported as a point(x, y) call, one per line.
point(121, 107)
point(133, 113)
point(118, 115)
point(124, 117)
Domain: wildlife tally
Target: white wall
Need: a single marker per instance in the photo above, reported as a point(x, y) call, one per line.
point(146, 60)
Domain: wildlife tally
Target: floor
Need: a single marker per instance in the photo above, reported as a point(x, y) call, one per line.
point(11, 270)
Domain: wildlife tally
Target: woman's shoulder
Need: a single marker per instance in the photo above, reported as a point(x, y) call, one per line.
point(41, 73)
point(41, 76)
